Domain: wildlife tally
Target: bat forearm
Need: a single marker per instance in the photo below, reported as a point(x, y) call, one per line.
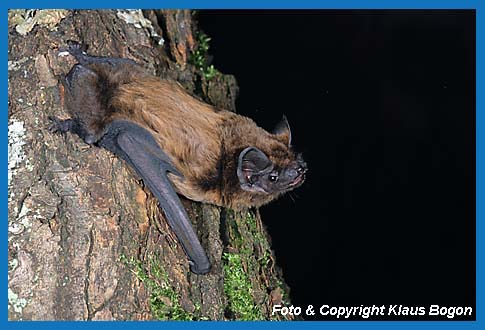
point(136, 146)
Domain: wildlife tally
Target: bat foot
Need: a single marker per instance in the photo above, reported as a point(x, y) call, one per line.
point(60, 126)
point(75, 48)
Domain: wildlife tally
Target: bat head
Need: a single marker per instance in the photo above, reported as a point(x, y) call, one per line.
point(273, 168)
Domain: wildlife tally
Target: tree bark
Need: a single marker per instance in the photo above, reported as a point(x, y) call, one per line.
point(87, 241)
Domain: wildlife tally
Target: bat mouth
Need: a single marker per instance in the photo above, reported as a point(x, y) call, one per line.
point(298, 181)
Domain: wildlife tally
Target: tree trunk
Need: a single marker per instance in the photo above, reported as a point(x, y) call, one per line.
point(87, 241)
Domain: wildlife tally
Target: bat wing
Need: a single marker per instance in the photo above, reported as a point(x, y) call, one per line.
point(137, 146)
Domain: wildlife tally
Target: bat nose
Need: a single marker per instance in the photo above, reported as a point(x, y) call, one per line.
point(303, 167)
point(292, 173)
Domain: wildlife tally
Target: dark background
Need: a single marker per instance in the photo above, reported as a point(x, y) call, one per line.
point(382, 105)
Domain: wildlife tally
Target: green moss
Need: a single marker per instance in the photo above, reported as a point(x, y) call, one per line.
point(258, 238)
point(164, 301)
point(251, 221)
point(233, 229)
point(250, 254)
point(265, 259)
point(253, 228)
point(199, 57)
point(237, 288)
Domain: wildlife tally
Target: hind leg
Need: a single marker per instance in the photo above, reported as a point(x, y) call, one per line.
point(77, 74)
point(62, 126)
point(79, 52)
point(124, 69)
point(82, 102)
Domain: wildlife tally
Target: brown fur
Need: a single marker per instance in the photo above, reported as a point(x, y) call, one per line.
point(203, 143)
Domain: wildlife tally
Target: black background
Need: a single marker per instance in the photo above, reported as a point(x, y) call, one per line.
point(382, 105)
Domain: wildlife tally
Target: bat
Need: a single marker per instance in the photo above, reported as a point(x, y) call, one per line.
point(177, 143)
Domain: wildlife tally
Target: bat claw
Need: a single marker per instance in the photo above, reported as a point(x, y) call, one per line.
point(59, 126)
point(75, 47)
point(199, 269)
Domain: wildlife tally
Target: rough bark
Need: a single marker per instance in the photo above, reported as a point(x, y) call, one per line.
point(86, 240)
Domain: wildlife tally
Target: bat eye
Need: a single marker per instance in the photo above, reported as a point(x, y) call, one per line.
point(273, 177)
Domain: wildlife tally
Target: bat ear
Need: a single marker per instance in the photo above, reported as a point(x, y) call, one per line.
point(283, 129)
point(252, 163)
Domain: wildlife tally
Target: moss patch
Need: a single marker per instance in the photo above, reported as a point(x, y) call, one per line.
point(248, 256)
point(164, 300)
point(237, 288)
point(198, 57)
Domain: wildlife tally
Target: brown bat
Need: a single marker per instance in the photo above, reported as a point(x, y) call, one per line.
point(177, 143)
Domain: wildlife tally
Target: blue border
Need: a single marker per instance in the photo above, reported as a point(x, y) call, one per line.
point(263, 4)
point(248, 4)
